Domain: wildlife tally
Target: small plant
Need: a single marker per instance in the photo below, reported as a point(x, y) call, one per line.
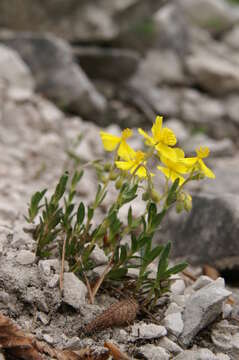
point(64, 224)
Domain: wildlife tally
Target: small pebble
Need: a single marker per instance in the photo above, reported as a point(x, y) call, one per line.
point(25, 257)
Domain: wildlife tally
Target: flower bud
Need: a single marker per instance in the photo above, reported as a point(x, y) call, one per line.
point(155, 196)
point(119, 183)
point(188, 203)
point(179, 206)
point(107, 167)
point(103, 178)
point(98, 167)
point(113, 175)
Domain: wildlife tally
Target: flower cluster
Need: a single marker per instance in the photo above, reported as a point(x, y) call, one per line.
point(172, 161)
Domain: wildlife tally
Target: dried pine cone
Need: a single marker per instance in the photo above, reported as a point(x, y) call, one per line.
point(120, 313)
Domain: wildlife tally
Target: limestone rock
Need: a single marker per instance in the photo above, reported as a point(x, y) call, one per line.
point(116, 65)
point(25, 257)
point(170, 345)
point(174, 323)
point(148, 331)
point(56, 74)
point(74, 291)
point(215, 16)
point(94, 21)
point(200, 354)
point(212, 224)
point(215, 75)
point(13, 70)
point(161, 67)
point(202, 308)
point(154, 352)
point(231, 38)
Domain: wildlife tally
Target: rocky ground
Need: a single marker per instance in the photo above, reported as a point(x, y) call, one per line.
point(102, 75)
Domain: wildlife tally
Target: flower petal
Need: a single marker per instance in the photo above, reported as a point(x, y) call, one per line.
point(206, 171)
point(125, 151)
point(203, 152)
point(149, 140)
point(126, 133)
point(109, 141)
point(157, 128)
point(123, 165)
point(166, 151)
point(168, 137)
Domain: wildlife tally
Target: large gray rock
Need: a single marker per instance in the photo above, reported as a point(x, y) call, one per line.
point(161, 67)
point(13, 71)
point(231, 38)
point(171, 28)
point(226, 182)
point(232, 108)
point(56, 74)
point(203, 111)
point(209, 233)
point(90, 21)
point(116, 65)
point(215, 16)
point(217, 75)
point(202, 308)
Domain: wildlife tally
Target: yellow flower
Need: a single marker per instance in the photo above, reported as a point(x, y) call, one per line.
point(197, 162)
point(111, 142)
point(174, 166)
point(161, 138)
point(132, 161)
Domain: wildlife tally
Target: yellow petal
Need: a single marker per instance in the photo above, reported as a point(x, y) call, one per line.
point(123, 165)
point(206, 171)
point(166, 151)
point(141, 172)
point(125, 151)
point(149, 139)
point(168, 137)
point(175, 175)
point(202, 152)
point(109, 141)
point(126, 133)
point(179, 167)
point(156, 128)
point(179, 152)
point(165, 171)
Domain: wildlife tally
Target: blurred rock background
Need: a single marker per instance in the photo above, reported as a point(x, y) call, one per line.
point(68, 67)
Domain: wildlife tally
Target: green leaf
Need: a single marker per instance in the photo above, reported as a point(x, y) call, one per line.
point(175, 269)
point(134, 244)
point(90, 213)
point(154, 253)
point(80, 213)
point(76, 178)
point(163, 261)
point(123, 253)
point(143, 240)
point(34, 204)
point(152, 211)
point(172, 193)
point(130, 217)
point(116, 255)
point(60, 188)
point(157, 219)
point(117, 274)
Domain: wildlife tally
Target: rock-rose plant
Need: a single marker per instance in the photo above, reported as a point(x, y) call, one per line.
point(60, 222)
